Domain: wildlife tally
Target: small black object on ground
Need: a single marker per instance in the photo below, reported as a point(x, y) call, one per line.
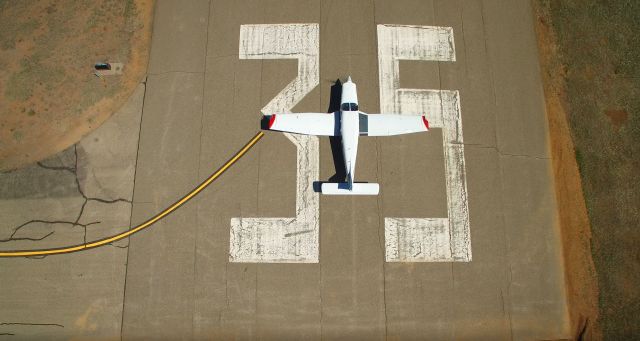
point(103, 66)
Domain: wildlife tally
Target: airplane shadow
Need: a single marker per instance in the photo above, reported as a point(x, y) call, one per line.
point(335, 141)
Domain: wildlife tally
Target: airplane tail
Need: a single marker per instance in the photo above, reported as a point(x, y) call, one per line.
point(346, 188)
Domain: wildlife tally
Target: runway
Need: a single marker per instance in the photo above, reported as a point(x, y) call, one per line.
point(462, 242)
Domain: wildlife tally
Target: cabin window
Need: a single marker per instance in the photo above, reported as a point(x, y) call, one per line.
point(349, 107)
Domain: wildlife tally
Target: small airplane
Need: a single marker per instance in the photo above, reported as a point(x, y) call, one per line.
point(349, 123)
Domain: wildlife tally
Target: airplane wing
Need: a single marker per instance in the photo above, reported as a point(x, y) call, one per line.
point(392, 124)
point(320, 124)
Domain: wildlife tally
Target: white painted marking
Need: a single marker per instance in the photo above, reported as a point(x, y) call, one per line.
point(426, 239)
point(296, 239)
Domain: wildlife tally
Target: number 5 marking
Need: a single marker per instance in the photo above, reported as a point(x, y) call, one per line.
point(296, 239)
point(426, 239)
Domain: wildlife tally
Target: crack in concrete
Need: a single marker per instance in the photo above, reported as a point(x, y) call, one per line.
point(197, 208)
point(501, 153)
point(380, 239)
point(73, 170)
point(175, 71)
point(119, 247)
point(320, 298)
point(255, 299)
point(442, 109)
point(464, 41)
point(504, 296)
point(25, 238)
point(27, 324)
point(509, 291)
point(380, 218)
point(504, 311)
point(30, 324)
point(226, 290)
point(62, 168)
point(17, 229)
point(133, 189)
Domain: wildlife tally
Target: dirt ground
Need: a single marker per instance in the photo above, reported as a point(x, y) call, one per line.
point(574, 221)
point(591, 82)
point(49, 94)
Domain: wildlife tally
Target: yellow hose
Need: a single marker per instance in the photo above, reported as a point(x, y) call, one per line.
point(151, 221)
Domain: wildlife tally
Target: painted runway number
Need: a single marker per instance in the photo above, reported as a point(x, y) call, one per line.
point(293, 239)
point(296, 239)
point(426, 239)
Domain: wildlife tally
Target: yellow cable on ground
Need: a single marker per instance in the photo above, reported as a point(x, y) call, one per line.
point(151, 221)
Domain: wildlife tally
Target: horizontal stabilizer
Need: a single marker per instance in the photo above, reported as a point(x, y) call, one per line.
point(342, 188)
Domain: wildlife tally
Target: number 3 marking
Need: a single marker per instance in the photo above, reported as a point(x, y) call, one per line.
point(296, 239)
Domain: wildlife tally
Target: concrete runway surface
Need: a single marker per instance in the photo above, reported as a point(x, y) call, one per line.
point(462, 243)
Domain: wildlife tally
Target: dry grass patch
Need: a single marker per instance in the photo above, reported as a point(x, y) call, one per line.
point(589, 52)
point(49, 96)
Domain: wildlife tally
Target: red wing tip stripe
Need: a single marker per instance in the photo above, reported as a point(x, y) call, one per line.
point(271, 120)
point(426, 123)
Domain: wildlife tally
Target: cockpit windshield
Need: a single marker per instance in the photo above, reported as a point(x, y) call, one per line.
point(349, 107)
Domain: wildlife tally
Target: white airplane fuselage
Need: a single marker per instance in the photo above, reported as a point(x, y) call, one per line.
point(349, 128)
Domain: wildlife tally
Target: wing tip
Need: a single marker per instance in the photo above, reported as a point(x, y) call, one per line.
point(425, 122)
point(267, 122)
point(272, 119)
